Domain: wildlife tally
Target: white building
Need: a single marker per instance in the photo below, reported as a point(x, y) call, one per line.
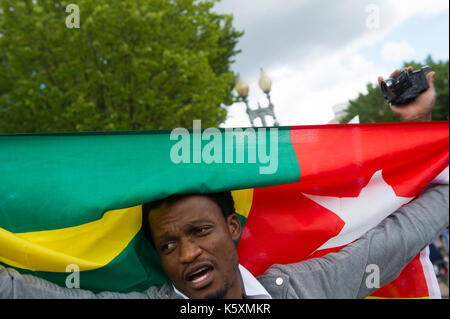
point(339, 110)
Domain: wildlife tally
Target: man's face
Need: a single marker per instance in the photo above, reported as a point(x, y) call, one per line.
point(195, 244)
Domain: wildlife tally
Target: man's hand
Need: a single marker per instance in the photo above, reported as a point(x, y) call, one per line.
point(419, 109)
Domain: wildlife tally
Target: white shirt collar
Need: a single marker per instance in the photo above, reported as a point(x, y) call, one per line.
point(252, 288)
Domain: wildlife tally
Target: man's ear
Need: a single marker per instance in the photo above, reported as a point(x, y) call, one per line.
point(234, 226)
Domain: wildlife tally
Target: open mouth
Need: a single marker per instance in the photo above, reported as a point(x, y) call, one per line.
point(200, 277)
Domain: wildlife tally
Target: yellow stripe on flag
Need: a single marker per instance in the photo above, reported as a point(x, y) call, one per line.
point(243, 200)
point(90, 246)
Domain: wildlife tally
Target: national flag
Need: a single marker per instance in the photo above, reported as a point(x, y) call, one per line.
point(74, 198)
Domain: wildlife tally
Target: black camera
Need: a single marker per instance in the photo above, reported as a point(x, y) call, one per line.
point(405, 87)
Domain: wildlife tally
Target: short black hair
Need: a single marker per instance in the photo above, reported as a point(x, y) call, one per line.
point(223, 199)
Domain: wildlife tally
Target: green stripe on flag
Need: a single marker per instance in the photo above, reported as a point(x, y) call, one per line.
point(52, 181)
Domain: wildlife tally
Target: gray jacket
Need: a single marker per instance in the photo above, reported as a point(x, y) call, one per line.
point(391, 246)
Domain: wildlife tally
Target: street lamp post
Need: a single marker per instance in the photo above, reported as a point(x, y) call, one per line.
point(265, 84)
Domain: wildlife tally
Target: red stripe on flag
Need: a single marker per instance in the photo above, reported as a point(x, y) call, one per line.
point(338, 160)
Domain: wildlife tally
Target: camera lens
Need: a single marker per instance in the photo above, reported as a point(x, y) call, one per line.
point(388, 88)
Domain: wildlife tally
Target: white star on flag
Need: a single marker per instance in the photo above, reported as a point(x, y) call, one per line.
point(375, 202)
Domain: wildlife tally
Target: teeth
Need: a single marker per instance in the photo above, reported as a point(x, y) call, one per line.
point(199, 271)
point(199, 278)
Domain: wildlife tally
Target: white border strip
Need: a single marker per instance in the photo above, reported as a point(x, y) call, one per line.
point(430, 277)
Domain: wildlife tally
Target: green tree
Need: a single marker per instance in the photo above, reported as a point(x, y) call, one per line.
point(132, 64)
point(372, 107)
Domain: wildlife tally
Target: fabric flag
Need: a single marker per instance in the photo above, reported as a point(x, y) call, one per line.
point(75, 198)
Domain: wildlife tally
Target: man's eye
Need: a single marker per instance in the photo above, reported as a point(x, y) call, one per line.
point(202, 230)
point(167, 247)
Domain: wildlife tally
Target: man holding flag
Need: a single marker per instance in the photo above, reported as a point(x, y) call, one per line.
point(194, 237)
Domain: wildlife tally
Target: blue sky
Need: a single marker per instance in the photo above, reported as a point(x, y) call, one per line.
point(427, 35)
point(320, 53)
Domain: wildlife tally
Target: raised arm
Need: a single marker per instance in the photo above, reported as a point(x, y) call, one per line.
point(390, 246)
point(15, 285)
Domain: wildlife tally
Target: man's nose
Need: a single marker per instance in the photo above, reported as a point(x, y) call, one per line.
point(189, 251)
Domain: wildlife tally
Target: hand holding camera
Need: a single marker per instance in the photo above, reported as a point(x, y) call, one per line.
point(411, 94)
